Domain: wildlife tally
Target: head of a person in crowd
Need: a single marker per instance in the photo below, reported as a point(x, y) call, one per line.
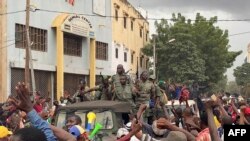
point(66, 94)
point(162, 84)
point(144, 76)
point(105, 80)
point(123, 79)
point(171, 88)
point(73, 120)
point(179, 112)
point(187, 112)
point(157, 131)
point(82, 84)
point(226, 120)
point(120, 69)
point(121, 133)
point(4, 133)
point(152, 78)
point(203, 120)
point(56, 103)
point(175, 136)
point(217, 114)
point(28, 134)
point(78, 132)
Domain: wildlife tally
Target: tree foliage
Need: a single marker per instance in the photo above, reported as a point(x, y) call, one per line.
point(242, 74)
point(199, 52)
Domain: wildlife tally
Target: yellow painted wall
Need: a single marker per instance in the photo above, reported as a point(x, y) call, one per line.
point(3, 52)
point(129, 38)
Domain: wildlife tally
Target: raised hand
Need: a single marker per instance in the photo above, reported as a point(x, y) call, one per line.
point(23, 102)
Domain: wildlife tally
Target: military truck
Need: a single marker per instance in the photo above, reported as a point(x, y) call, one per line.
point(108, 114)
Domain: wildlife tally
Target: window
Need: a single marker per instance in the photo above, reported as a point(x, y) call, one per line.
point(72, 45)
point(141, 59)
point(101, 51)
point(116, 14)
point(132, 58)
point(140, 32)
point(37, 36)
point(132, 25)
point(125, 56)
point(116, 53)
point(147, 36)
point(125, 22)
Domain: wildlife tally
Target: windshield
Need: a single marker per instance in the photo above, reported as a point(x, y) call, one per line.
point(103, 117)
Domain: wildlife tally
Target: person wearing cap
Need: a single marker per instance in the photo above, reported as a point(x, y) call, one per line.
point(121, 133)
point(4, 133)
point(104, 88)
point(115, 79)
point(79, 94)
point(176, 134)
point(146, 91)
point(125, 93)
point(78, 132)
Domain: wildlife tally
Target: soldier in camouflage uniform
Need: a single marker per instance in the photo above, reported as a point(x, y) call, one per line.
point(115, 79)
point(160, 100)
point(124, 93)
point(104, 88)
point(145, 92)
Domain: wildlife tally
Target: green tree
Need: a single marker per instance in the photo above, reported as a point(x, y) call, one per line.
point(199, 52)
point(242, 74)
point(232, 87)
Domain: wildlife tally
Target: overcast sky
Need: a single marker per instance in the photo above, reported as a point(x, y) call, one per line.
point(224, 9)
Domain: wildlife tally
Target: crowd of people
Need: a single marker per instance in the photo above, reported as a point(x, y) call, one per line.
point(26, 119)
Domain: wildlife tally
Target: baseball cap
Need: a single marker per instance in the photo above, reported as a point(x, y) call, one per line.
point(121, 132)
point(76, 131)
point(128, 126)
point(4, 132)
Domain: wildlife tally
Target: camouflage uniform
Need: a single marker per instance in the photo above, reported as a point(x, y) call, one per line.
point(157, 110)
point(125, 94)
point(146, 92)
point(105, 93)
point(115, 80)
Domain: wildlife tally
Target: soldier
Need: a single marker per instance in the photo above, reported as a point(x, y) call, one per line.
point(79, 94)
point(115, 79)
point(104, 88)
point(124, 93)
point(160, 100)
point(145, 92)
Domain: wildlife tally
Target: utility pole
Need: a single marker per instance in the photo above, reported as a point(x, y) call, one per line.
point(28, 59)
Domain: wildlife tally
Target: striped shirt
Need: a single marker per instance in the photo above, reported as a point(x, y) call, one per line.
point(204, 135)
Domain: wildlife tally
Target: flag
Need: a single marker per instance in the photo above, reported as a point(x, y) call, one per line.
point(71, 2)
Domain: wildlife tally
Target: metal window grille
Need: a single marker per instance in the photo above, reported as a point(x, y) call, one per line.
point(72, 45)
point(42, 78)
point(101, 50)
point(38, 38)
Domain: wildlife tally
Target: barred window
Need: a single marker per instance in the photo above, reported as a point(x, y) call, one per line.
point(101, 50)
point(132, 58)
point(140, 32)
point(116, 14)
point(125, 56)
point(132, 25)
point(72, 45)
point(38, 38)
point(125, 22)
point(116, 53)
